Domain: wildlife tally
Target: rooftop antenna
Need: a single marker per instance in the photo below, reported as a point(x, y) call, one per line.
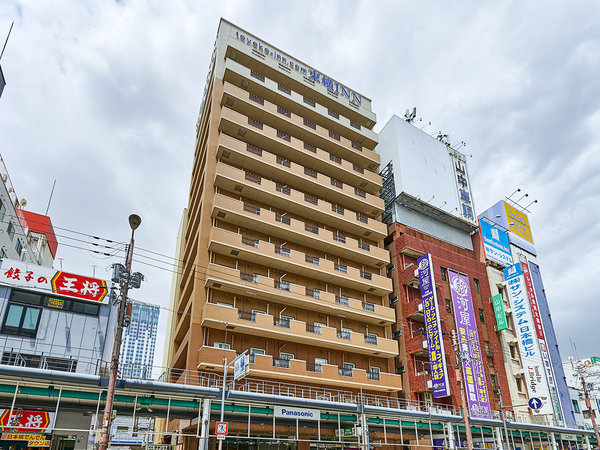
point(50, 199)
point(410, 116)
point(6, 40)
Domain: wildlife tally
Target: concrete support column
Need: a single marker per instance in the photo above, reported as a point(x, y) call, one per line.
point(203, 441)
point(451, 443)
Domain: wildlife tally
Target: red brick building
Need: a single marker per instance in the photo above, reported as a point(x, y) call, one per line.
point(406, 245)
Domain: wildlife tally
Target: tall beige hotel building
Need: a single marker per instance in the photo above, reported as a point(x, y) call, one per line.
point(282, 244)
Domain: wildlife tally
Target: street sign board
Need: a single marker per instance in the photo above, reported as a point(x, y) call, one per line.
point(240, 366)
point(222, 429)
point(534, 403)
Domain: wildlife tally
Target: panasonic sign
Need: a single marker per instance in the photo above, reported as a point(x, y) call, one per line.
point(297, 413)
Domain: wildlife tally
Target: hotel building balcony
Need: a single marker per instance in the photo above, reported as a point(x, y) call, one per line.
point(268, 222)
point(280, 196)
point(299, 371)
point(233, 281)
point(290, 330)
point(264, 253)
point(305, 178)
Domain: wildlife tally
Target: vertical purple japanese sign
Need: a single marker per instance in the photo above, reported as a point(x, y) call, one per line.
point(435, 343)
point(466, 327)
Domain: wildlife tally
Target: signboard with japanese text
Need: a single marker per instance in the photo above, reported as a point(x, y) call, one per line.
point(501, 322)
point(495, 244)
point(463, 186)
point(33, 440)
point(25, 421)
point(531, 357)
point(466, 327)
point(435, 342)
point(240, 367)
point(539, 328)
point(518, 222)
point(48, 281)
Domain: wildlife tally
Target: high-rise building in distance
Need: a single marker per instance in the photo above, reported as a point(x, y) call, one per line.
point(139, 341)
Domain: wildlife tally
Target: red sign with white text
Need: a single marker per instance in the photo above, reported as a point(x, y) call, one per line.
point(31, 421)
point(49, 280)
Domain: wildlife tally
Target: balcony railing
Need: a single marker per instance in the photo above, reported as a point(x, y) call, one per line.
point(282, 251)
point(251, 277)
point(357, 146)
point(314, 367)
point(283, 188)
point(253, 177)
point(360, 192)
point(343, 334)
point(284, 111)
point(370, 339)
point(311, 199)
point(308, 101)
point(364, 246)
point(367, 306)
point(257, 75)
point(253, 149)
point(310, 147)
point(335, 158)
point(362, 218)
point(310, 124)
point(340, 268)
point(366, 275)
point(358, 168)
point(312, 328)
point(283, 285)
point(278, 362)
point(283, 88)
point(282, 322)
point(310, 172)
point(337, 209)
point(374, 376)
point(284, 136)
point(355, 125)
point(314, 293)
point(283, 219)
point(257, 99)
point(342, 300)
point(345, 372)
point(247, 315)
point(251, 208)
point(334, 135)
point(333, 113)
point(255, 123)
point(250, 241)
point(283, 161)
point(339, 238)
point(312, 259)
point(311, 228)
point(337, 183)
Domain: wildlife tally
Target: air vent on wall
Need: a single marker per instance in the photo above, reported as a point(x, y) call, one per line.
point(371, 289)
point(237, 188)
point(221, 214)
point(229, 101)
point(363, 184)
point(241, 132)
point(226, 154)
point(235, 252)
point(367, 233)
point(217, 285)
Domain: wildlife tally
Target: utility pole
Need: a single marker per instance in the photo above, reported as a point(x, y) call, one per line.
point(461, 387)
point(122, 275)
point(588, 403)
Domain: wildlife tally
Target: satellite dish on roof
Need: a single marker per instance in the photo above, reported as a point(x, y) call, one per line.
point(23, 203)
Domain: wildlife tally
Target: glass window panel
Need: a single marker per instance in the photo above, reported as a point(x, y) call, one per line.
point(31, 318)
point(13, 317)
point(26, 297)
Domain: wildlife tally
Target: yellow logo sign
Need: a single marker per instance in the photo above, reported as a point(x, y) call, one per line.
point(518, 222)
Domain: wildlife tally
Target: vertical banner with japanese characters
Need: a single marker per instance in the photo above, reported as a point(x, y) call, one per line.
point(525, 327)
point(435, 342)
point(466, 327)
point(501, 323)
point(539, 329)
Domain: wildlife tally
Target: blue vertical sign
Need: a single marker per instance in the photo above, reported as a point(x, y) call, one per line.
point(495, 243)
point(435, 343)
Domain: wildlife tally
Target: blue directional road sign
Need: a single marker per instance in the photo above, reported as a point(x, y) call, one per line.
point(534, 403)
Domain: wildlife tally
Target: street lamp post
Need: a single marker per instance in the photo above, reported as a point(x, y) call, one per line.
point(125, 280)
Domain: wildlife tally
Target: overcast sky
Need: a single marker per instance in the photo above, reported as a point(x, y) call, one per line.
point(104, 96)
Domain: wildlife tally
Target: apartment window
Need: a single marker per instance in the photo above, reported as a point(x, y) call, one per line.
point(21, 320)
point(519, 384)
point(393, 299)
point(448, 306)
point(337, 183)
point(2, 210)
point(476, 282)
point(444, 274)
point(390, 267)
point(286, 356)
point(221, 345)
point(513, 351)
point(19, 247)
point(576, 409)
point(11, 231)
point(481, 316)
